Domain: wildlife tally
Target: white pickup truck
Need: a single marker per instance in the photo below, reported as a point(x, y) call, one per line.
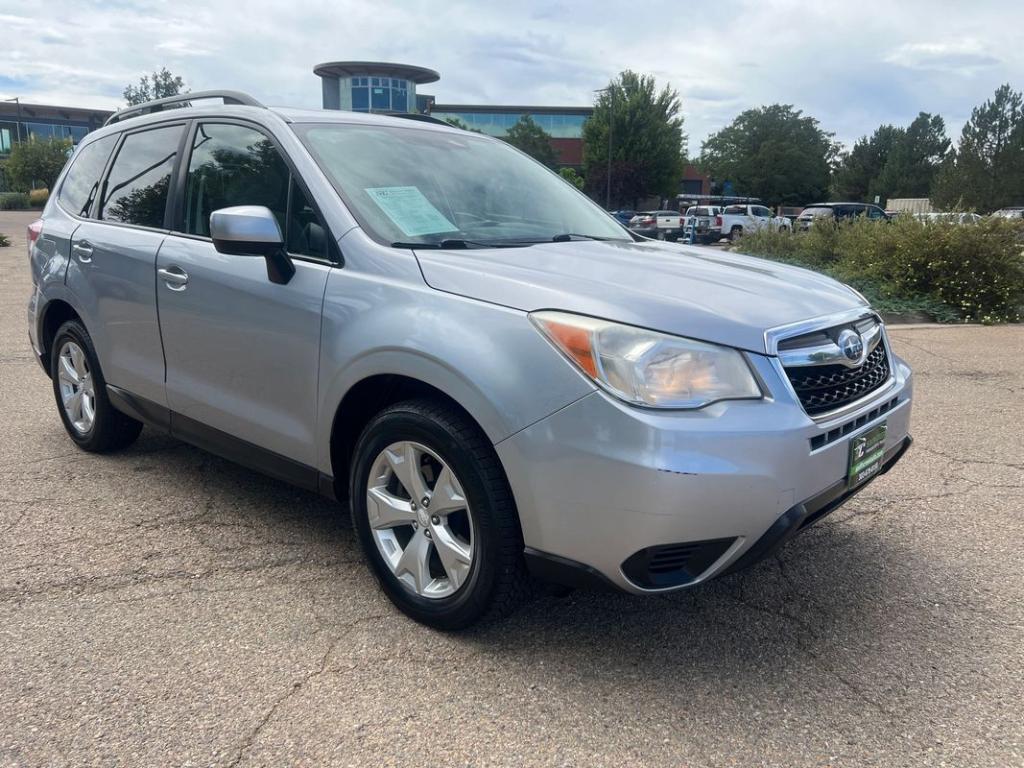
point(663, 225)
point(737, 219)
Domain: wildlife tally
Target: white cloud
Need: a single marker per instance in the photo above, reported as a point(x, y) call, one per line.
point(851, 66)
point(962, 57)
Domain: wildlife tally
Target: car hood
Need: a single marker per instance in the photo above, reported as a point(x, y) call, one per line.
point(713, 296)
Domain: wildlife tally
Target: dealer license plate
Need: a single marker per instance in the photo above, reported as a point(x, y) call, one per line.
point(867, 452)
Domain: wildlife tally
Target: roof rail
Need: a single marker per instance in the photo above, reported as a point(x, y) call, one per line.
point(181, 100)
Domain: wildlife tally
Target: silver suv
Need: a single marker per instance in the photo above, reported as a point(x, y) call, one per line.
point(503, 382)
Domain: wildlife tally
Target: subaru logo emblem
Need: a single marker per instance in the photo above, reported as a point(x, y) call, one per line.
point(851, 345)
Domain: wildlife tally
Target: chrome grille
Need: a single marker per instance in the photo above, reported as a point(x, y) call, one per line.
point(822, 378)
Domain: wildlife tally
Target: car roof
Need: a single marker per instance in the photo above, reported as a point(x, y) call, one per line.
point(282, 114)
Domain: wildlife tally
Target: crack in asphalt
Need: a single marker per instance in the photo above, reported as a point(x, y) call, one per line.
point(139, 577)
point(297, 686)
point(791, 620)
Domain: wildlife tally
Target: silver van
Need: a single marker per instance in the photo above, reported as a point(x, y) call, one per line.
point(502, 382)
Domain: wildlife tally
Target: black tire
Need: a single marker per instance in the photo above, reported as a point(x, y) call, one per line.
point(735, 233)
point(111, 430)
point(497, 581)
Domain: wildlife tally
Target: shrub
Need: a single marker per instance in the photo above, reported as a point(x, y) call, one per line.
point(37, 161)
point(4, 242)
point(37, 197)
point(13, 201)
point(952, 272)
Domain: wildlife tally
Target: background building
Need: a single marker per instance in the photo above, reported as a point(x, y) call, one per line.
point(377, 86)
point(21, 122)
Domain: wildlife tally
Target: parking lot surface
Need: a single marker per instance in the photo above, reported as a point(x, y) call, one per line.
point(161, 606)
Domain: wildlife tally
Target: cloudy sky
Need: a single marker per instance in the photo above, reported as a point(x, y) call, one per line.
point(853, 65)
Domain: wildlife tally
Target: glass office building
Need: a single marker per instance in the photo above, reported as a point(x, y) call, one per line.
point(376, 86)
point(372, 86)
point(557, 122)
point(27, 122)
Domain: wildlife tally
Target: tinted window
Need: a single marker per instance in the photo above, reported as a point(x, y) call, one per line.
point(83, 180)
point(136, 191)
point(760, 210)
point(734, 210)
point(820, 211)
point(233, 165)
point(876, 213)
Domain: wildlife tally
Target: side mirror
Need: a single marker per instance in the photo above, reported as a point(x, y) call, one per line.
point(252, 230)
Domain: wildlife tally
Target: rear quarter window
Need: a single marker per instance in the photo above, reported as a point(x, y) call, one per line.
point(82, 182)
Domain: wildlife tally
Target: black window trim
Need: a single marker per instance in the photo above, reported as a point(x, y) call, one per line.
point(176, 217)
point(94, 213)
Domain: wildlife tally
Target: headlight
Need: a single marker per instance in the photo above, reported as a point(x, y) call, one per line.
point(646, 367)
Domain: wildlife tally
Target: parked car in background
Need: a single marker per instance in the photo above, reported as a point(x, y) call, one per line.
point(623, 217)
point(1013, 212)
point(661, 225)
point(948, 218)
point(737, 219)
point(838, 212)
point(706, 221)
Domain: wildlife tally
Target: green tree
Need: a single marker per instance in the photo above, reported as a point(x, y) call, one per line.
point(987, 170)
point(156, 86)
point(647, 141)
point(530, 138)
point(37, 162)
point(775, 153)
point(572, 176)
point(859, 167)
point(916, 156)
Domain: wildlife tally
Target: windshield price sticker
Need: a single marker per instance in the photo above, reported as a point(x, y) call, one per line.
point(410, 210)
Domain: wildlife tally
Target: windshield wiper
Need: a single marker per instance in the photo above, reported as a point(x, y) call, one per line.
point(568, 237)
point(458, 243)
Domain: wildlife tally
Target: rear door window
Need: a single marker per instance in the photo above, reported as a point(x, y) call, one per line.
point(82, 183)
point(139, 180)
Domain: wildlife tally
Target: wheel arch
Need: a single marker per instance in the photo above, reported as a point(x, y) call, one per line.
point(55, 313)
point(364, 400)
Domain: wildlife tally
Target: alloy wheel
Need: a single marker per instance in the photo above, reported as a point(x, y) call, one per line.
point(420, 520)
point(77, 392)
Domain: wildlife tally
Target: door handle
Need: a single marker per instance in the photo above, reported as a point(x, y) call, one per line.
point(174, 278)
point(83, 250)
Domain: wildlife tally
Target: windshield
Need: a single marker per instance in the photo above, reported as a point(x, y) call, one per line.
point(414, 187)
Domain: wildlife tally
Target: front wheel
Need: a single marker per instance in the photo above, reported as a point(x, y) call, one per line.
point(435, 516)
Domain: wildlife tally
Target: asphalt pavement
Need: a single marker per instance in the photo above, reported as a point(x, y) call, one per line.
point(163, 607)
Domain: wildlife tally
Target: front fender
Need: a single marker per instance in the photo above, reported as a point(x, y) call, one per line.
point(489, 359)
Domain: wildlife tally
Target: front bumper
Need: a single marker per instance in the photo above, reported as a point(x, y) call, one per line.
point(600, 482)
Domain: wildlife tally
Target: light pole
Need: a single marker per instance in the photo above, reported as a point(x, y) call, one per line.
point(610, 90)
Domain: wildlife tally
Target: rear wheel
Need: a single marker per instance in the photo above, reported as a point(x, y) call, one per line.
point(435, 516)
point(735, 233)
point(81, 394)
